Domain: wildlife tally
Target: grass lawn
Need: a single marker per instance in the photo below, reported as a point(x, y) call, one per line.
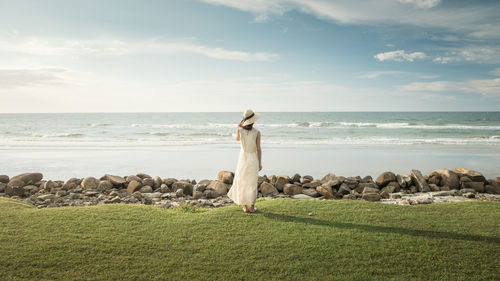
point(342, 240)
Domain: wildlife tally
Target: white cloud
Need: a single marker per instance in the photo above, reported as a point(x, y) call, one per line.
point(476, 54)
point(115, 47)
point(495, 71)
point(400, 55)
point(485, 87)
point(424, 4)
point(19, 77)
point(377, 74)
point(475, 20)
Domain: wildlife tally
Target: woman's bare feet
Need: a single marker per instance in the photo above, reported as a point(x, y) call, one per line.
point(253, 209)
point(245, 209)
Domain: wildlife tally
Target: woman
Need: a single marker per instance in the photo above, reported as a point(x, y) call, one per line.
point(244, 188)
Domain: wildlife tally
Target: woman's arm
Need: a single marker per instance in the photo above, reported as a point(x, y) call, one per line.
point(238, 132)
point(259, 151)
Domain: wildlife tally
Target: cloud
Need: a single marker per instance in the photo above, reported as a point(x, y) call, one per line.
point(475, 54)
point(12, 78)
point(377, 74)
point(400, 55)
point(116, 47)
point(485, 87)
point(423, 4)
point(495, 71)
point(475, 19)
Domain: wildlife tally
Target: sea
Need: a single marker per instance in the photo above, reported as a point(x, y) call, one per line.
point(197, 145)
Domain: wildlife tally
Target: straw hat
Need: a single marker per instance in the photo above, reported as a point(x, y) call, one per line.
point(249, 117)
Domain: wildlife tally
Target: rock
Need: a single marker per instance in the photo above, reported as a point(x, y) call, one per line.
point(281, 181)
point(210, 193)
point(104, 185)
point(384, 178)
point(445, 188)
point(268, 189)
point(164, 188)
point(465, 179)
point(436, 180)
point(2, 187)
point(169, 181)
point(419, 181)
point(467, 190)
point(115, 199)
point(393, 186)
point(48, 185)
point(32, 189)
point(449, 178)
point(91, 193)
point(71, 184)
point(4, 178)
point(400, 180)
point(204, 183)
point(492, 189)
point(148, 181)
point(413, 189)
point(301, 196)
point(384, 194)
point(344, 189)
point(133, 178)
point(292, 189)
point(361, 186)
point(186, 187)
point(434, 187)
point(220, 187)
point(133, 186)
point(306, 179)
point(143, 176)
point(473, 175)
point(310, 192)
point(28, 178)
point(295, 178)
point(371, 196)
point(46, 197)
point(349, 196)
point(179, 192)
point(115, 180)
point(335, 183)
point(395, 196)
point(370, 190)
point(157, 182)
point(197, 194)
point(477, 186)
point(447, 193)
point(15, 187)
point(90, 183)
point(351, 182)
point(328, 177)
point(225, 177)
point(312, 184)
point(367, 179)
point(469, 195)
point(325, 190)
point(272, 179)
point(146, 189)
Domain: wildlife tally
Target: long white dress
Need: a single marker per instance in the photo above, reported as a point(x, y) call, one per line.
point(244, 188)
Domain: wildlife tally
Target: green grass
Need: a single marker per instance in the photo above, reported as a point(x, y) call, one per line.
point(342, 240)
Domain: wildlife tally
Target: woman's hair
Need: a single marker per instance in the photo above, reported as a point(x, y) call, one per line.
point(248, 127)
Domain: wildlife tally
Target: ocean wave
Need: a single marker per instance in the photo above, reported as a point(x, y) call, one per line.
point(98, 124)
point(57, 135)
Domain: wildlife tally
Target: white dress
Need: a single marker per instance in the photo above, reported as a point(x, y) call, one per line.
point(244, 188)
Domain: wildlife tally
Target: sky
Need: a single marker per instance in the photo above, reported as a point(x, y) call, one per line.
point(230, 55)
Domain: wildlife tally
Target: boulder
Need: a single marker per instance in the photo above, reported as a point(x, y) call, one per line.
point(344, 189)
point(351, 182)
point(325, 190)
point(361, 186)
point(210, 194)
point(295, 178)
point(90, 183)
point(169, 181)
point(371, 196)
point(328, 177)
point(477, 186)
point(115, 180)
point(306, 179)
point(2, 187)
point(449, 178)
point(133, 186)
point(157, 182)
point(148, 181)
point(48, 185)
point(473, 175)
point(4, 178)
point(434, 187)
point(28, 178)
point(436, 179)
point(384, 178)
point(393, 186)
point(32, 189)
point(268, 189)
point(281, 181)
point(310, 192)
point(419, 181)
point(15, 187)
point(301, 196)
point(197, 194)
point(384, 194)
point(186, 187)
point(369, 189)
point(225, 177)
point(46, 197)
point(146, 189)
point(133, 178)
point(71, 184)
point(366, 179)
point(292, 189)
point(312, 184)
point(143, 176)
point(104, 185)
point(272, 179)
point(164, 188)
point(179, 192)
point(220, 187)
point(492, 189)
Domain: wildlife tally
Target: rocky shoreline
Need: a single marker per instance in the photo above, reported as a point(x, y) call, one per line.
point(442, 185)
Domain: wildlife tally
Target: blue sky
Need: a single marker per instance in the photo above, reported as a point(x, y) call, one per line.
point(222, 55)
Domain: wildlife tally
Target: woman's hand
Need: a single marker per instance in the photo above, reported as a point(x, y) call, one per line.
point(260, 166)
point(240, 124)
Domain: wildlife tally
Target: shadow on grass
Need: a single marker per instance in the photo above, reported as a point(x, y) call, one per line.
point(383, 229)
